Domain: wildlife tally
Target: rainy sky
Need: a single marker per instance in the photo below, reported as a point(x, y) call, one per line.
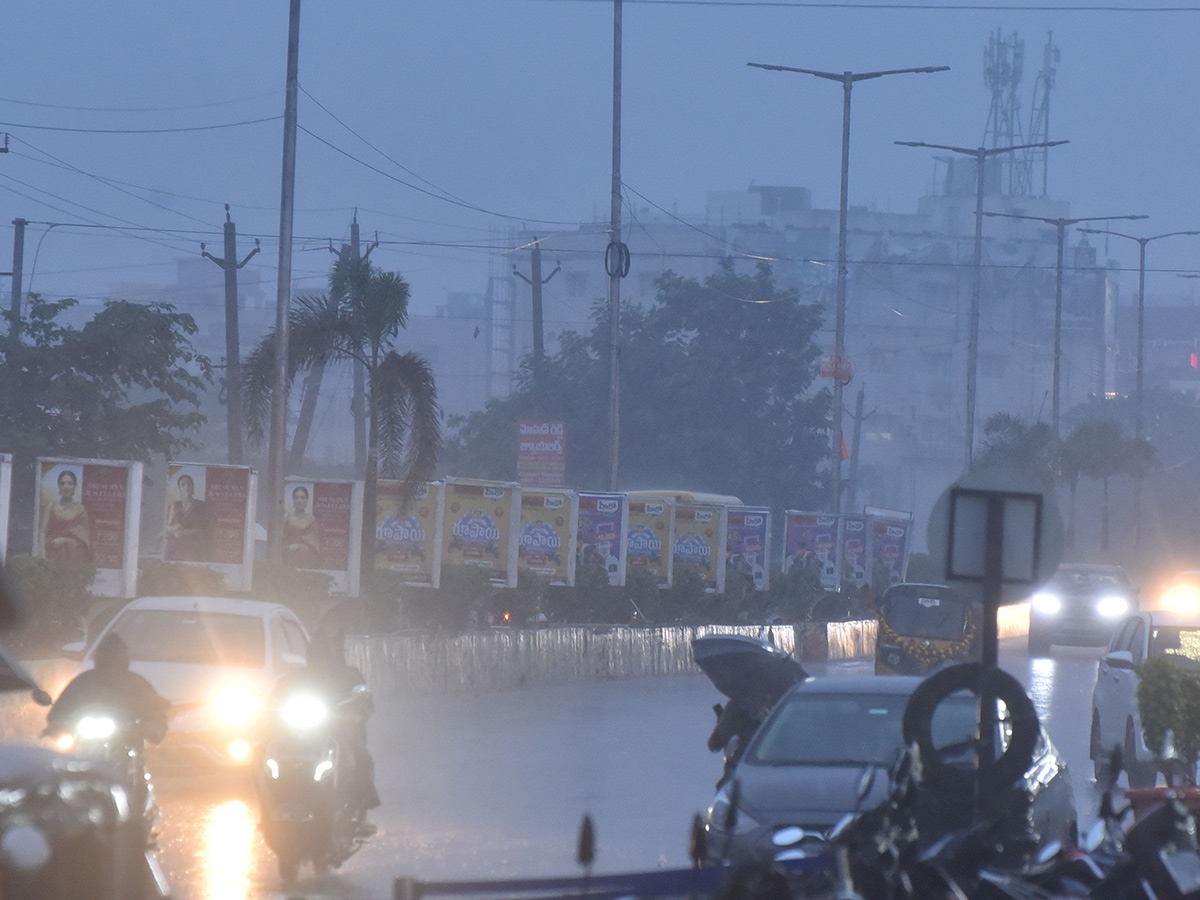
point(447, 122)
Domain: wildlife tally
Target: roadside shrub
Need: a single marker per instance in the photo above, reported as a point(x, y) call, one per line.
point(55, 596)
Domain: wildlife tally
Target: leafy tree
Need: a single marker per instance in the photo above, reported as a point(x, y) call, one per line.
point(1017, 444)
point(1099, 450)
point(128, 384)
point(716, 395)
point(360, 320)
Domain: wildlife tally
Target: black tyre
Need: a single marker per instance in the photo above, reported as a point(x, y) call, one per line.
point(1140, 774)
point(1039, 641)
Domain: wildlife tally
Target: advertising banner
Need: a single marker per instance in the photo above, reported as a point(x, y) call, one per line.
point(852, 551)
point(699, 543)
point(541, 454)
point(810, 539)
point(209, 514)
point(90, 510)
point(322, 530)
point(649, 536)
point(748, 544)
point(5, 501)
point(890, 545)
point(549, 520)
point(603, 518)
point(479, 528)
point(408, 540)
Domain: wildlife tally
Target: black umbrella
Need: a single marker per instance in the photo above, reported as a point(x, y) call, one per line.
point(751, 673)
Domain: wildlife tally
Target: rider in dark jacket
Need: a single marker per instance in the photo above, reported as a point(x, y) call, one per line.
point(110, 684)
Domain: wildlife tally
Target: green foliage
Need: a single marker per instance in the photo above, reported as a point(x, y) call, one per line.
point(1169, 698)
point(55, 596)
point(796, 592)
point(716, 395)
point(523, 603)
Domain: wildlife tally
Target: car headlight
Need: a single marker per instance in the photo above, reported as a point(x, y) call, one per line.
point(1046, 603)
point(1181, 599)
point(1112, 606)
point(236, 704)
point(303, 712)
point(718, 816)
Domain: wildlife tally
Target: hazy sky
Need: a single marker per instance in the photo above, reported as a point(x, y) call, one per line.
point(505, 105)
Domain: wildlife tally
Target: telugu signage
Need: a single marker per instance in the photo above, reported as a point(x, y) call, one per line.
point(90, 511)
point(549, 519)
point(542, 454)
point(699, 542)
point(479, 528)
point(648, 537)
point(408, 537)
point(598, 545)
point(810, 540)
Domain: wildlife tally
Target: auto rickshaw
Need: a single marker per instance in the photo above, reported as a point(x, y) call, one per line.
point(923, 626)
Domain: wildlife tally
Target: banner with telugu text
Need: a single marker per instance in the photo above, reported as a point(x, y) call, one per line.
point(810, 539)
point(748, 544)
point(648, 538)
point(699, 544)
point(479, 528)
point(603, 519)
point(408, 538)
point(549, 519)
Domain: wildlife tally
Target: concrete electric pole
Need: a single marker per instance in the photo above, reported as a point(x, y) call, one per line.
point(233, 357)
point(535, 282)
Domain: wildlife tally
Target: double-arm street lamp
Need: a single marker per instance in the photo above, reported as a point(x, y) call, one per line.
point(1061, 226)
point(980, 154)
point(847, 80)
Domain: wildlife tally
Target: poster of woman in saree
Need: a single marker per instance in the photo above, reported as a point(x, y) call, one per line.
point(301, 533)
point(188, 537)
point(65, 532)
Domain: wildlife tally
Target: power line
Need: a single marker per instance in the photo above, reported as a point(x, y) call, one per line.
point(131, 109)
point(916, 7)
point(141, 130)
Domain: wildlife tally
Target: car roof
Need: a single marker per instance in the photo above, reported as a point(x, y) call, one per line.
point(233, 605)
point(1098, 568)
point(902, 685)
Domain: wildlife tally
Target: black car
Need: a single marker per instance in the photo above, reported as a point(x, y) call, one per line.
point(1081, 606)
point(800, 773)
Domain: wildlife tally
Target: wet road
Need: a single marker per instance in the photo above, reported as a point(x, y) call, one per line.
point(495, 785)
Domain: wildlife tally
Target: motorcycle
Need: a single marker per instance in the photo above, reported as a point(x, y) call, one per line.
point(306, 779)
point(107, 745)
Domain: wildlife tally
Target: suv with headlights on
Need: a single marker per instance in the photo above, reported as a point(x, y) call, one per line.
point(1081, 606)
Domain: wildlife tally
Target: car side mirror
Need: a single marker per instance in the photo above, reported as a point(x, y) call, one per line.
point(41, 698)
point(73, 650)
point(1119, 659)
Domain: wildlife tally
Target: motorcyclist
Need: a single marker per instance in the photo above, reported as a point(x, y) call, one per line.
point(109, 683)
point(329, 675)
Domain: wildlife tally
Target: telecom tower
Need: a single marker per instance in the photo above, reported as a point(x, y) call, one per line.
point(1039, 115)
point(1003, 65)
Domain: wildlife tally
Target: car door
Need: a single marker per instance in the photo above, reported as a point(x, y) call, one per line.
point(1128, 680)
point(1108, 703)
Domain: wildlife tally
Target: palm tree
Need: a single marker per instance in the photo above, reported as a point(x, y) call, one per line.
point(358, 320)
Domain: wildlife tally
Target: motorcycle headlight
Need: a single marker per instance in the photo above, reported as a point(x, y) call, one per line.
point(302, 712)
point(1046, 603)
point(96, 728)
point(1112, 606)
point(236, 704)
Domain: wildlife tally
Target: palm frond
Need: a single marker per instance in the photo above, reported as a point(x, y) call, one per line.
point(258, 382)
point(409, 419)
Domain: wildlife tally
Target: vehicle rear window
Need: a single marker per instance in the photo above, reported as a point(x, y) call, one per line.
point(923, 616)
point(1175, 641)
point(187, 636)
point(813, 728)
point(1087, 582)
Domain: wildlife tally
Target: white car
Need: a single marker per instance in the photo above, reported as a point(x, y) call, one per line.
point(215, 659)
point(1115, 717)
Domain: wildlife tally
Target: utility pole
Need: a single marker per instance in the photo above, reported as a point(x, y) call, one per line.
point(855, 444)
point(18, 263)
point(847, 80)
point(1061, 226)
point(233, 356)
point(980, 154)
point(358, 398)
point(1141, 328)
point(279, 395)
point(535, 281)
point(616, 264)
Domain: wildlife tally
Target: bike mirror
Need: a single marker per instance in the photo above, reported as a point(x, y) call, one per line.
point(41, 698)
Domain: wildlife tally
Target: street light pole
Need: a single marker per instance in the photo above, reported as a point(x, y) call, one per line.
point(1141, 330)
point(980, 154)
point(1061, 226)
point(847, 80)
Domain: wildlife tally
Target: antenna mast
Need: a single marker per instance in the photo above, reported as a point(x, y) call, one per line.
point(1039, 116)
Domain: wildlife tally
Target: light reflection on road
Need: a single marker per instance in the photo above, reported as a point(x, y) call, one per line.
point(229, 838)
point(1041, 685)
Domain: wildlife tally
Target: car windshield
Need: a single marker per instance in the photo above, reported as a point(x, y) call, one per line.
point(187, 636)
point(1174, 640)
point(1083, 582)
point(917, 615)
point(814, 728)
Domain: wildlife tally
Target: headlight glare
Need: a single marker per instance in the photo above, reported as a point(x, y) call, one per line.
point(302, 712)
point(236, 704)
point(1112, 606)
point(1182, 599)
point(96, 728)
point(1047, 603)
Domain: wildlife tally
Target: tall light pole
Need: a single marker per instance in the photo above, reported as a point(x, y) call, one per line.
point(1061, 226)
point(847, 80)
point(1141, 330)
point(980, 154)
point(616, 264)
